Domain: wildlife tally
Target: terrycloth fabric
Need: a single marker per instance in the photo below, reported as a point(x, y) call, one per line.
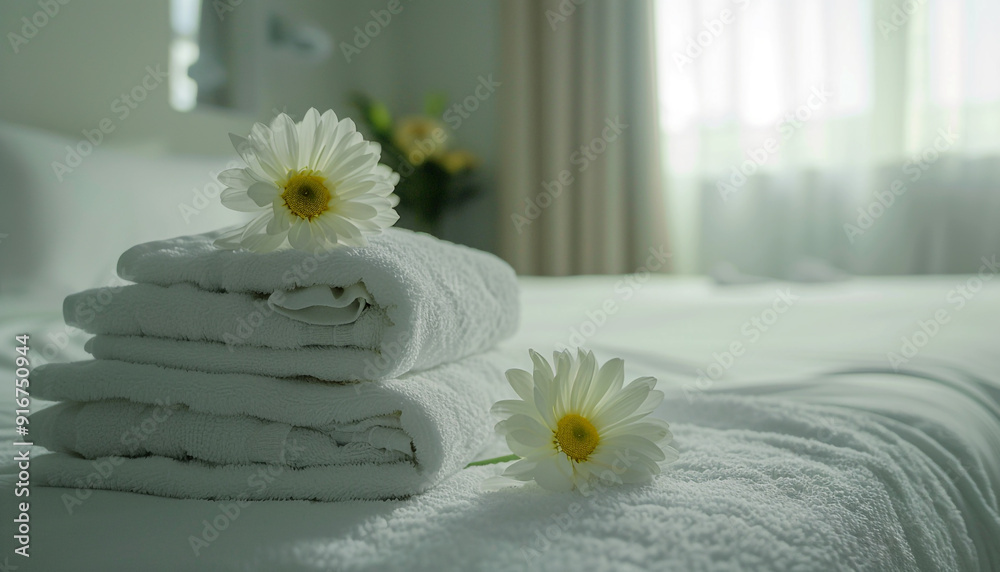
point(201, 308)
point(187, 434)
point(761, 485)
point(234, 319)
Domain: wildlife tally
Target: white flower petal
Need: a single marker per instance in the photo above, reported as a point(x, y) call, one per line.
point(609, 381)
point(542, 370)
point(356, 210)
point(263, 194)
point(387, 175)
point(262, 143)
point(654, 429)
point(509, 407)
point(342, 172)
point(584, 377)
point(334, 225)
point(243, 148)
point(229, 240)
point(634, 445)
point(527, 431)
point(652, 401)
point(343, 139)
point(546, 408)
point(263, 242)
point(286, 141)
point(257, 225)
point(385, 219)
point(521, 382)
point(283, 218)
point(555, 473)
point(670, 454)
point(614, 409)
point(300, 236)
point(309, 134)
point(237, 200)
point(237, 178)
point(521, 467)
point(353, 189)
point(562, 383)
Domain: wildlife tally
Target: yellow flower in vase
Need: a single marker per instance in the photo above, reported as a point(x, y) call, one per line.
point(458, 160)
point(420, 138)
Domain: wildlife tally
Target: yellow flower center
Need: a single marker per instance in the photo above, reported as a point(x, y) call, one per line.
point(576, 436)
point(306, 194)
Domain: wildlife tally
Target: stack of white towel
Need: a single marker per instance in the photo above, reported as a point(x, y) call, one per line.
point(358, 373)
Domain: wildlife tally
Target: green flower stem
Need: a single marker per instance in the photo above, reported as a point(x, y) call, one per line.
point(493, 461)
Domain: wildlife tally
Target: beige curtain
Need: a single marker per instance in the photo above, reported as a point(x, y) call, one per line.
point(580, 175)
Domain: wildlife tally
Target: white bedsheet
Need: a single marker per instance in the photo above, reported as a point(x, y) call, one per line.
point(826, 344)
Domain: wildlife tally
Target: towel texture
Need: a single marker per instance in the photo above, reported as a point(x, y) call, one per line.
point(189, 434)
point(761, 485)
point(201, 308)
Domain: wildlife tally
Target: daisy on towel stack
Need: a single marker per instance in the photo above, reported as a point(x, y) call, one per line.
point(362, 372)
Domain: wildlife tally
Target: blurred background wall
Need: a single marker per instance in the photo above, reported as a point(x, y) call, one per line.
point(764, 135)
point(74, 68)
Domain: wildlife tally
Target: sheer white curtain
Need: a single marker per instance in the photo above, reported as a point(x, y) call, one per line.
point(782, 118)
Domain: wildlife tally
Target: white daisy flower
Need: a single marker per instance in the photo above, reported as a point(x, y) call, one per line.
point(577, 424)
point(316, 184)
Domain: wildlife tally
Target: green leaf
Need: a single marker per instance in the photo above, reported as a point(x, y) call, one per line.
point(493, 461)
point(434, 104)
point(379, 116)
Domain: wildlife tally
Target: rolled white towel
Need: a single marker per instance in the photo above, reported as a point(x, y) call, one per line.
point(187, 434)
point(406, 302)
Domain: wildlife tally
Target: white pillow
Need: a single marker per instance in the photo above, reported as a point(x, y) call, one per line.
point(64, 236)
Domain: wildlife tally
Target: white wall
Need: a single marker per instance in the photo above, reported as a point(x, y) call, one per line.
point(68, 76)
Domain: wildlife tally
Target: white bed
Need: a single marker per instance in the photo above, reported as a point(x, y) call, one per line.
point(670, 327)
point(822, 363)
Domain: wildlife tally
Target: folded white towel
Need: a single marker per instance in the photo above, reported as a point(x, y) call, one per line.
point(406, 302)
point(187, 434)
